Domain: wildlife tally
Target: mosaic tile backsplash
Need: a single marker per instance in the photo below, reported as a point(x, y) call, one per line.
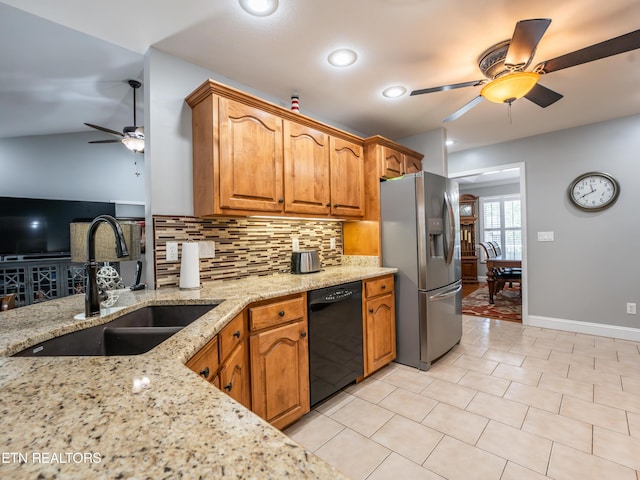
point(243, 246)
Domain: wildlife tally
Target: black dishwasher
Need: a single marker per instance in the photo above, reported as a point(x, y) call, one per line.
point(335, 339)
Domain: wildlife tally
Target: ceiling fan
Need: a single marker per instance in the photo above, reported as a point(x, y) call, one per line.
point(504, 66)
point(132, 136)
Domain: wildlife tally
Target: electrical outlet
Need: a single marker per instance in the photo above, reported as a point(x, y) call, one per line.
point(631, 308)
point(172, 251)
point(295, 244)
point(332, 243)
point(207, 249)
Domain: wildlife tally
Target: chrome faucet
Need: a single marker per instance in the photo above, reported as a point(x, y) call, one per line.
point(92, 296)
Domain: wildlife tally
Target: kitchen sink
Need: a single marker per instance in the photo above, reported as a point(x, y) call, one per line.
point(133, 333)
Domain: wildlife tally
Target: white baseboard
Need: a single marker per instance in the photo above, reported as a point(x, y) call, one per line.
point(601, 329)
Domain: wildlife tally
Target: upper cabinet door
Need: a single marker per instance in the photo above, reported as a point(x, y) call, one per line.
point(412, 165)
point(250, 158)
point(347, 178)
point(392, 163)
point(306, 170)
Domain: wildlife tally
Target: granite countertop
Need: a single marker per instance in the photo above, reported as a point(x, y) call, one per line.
point(81, 417)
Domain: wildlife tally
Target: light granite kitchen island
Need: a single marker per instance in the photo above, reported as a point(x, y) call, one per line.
point(81, 417)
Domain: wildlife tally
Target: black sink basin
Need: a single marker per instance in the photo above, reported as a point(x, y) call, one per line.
point(131, 334)
point(161, 316)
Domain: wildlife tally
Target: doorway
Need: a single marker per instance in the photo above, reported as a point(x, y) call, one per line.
point(489, 184)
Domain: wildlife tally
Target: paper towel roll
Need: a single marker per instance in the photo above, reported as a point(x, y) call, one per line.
point(190, 266)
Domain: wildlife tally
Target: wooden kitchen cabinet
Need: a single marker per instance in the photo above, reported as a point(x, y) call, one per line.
point(379, 323)
point(205, 363)
point(234, 360)
point(234, 376)
point(347, 178)
point(254, 157)
point(223, 361)
point(383, 159)
point(390, 159)
point(411, 164)
point(392, 163)
point(306, 170)
point(251, 158)
point(279, 357)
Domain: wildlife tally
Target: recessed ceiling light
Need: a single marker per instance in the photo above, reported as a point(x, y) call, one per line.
point(259, 8)
point(394, 92)
point(342, 57)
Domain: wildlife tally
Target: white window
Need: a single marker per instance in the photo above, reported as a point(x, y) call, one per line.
point(500, 221)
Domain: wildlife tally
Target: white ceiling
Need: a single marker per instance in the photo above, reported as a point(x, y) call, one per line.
point(54, 78)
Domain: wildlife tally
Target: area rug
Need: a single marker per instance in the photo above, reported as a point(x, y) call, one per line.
point(507, 306)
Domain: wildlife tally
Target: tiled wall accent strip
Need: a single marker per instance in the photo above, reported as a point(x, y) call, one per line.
point(244, 246)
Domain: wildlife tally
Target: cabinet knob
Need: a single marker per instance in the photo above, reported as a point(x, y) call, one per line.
point(228, 387)
point(281, 200)
point(281, 313)
point(335, 205)
point(205, 372)
point(383, 287)
point(371, 310)
point(328, 204)
point(237, 334)
point(303, 334)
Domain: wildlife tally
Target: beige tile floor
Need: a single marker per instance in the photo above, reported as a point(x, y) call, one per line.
point(510, 402)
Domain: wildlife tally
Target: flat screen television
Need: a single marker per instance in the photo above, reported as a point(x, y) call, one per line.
point(32, 227)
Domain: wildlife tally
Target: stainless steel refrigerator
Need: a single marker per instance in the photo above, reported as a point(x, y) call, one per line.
point(421, 237)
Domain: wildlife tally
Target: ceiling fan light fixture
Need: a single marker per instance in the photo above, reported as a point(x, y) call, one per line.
point(259, 8)
point(134, 144)
point(510, 87)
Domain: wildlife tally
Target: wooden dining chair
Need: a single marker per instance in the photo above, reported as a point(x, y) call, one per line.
point(502, 275)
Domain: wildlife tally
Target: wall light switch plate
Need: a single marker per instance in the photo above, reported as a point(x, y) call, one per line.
point(172, 251)
point(207, 249)
point(332, 243)
point(545, 237)
point(295, 244)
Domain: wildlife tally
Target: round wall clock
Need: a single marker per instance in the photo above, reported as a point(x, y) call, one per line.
point(594, 191)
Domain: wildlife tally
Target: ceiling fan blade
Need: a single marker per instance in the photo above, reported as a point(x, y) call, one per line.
point(614, 46)
point(542, 96)
point(524, 41)
point(473, 83)
point(105, 141)
point(104, 129)
point(464, 109)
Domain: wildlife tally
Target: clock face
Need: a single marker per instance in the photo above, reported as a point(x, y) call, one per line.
point(594, 191)
point(466, 210)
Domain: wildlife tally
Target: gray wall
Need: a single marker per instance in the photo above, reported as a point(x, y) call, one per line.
point(589, 272)
point(432, 145)
point(66, 167)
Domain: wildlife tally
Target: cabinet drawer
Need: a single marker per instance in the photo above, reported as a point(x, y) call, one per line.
point(231, 336)
point(205, 362)
point(276, 313)
point(378, 286)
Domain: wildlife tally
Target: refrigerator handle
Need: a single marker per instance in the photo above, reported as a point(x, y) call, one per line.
point(444, 295)
point(451, 237)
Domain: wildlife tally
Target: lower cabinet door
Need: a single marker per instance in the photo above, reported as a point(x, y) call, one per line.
point(380, 332)
point(234, 376)
point(280, 373)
